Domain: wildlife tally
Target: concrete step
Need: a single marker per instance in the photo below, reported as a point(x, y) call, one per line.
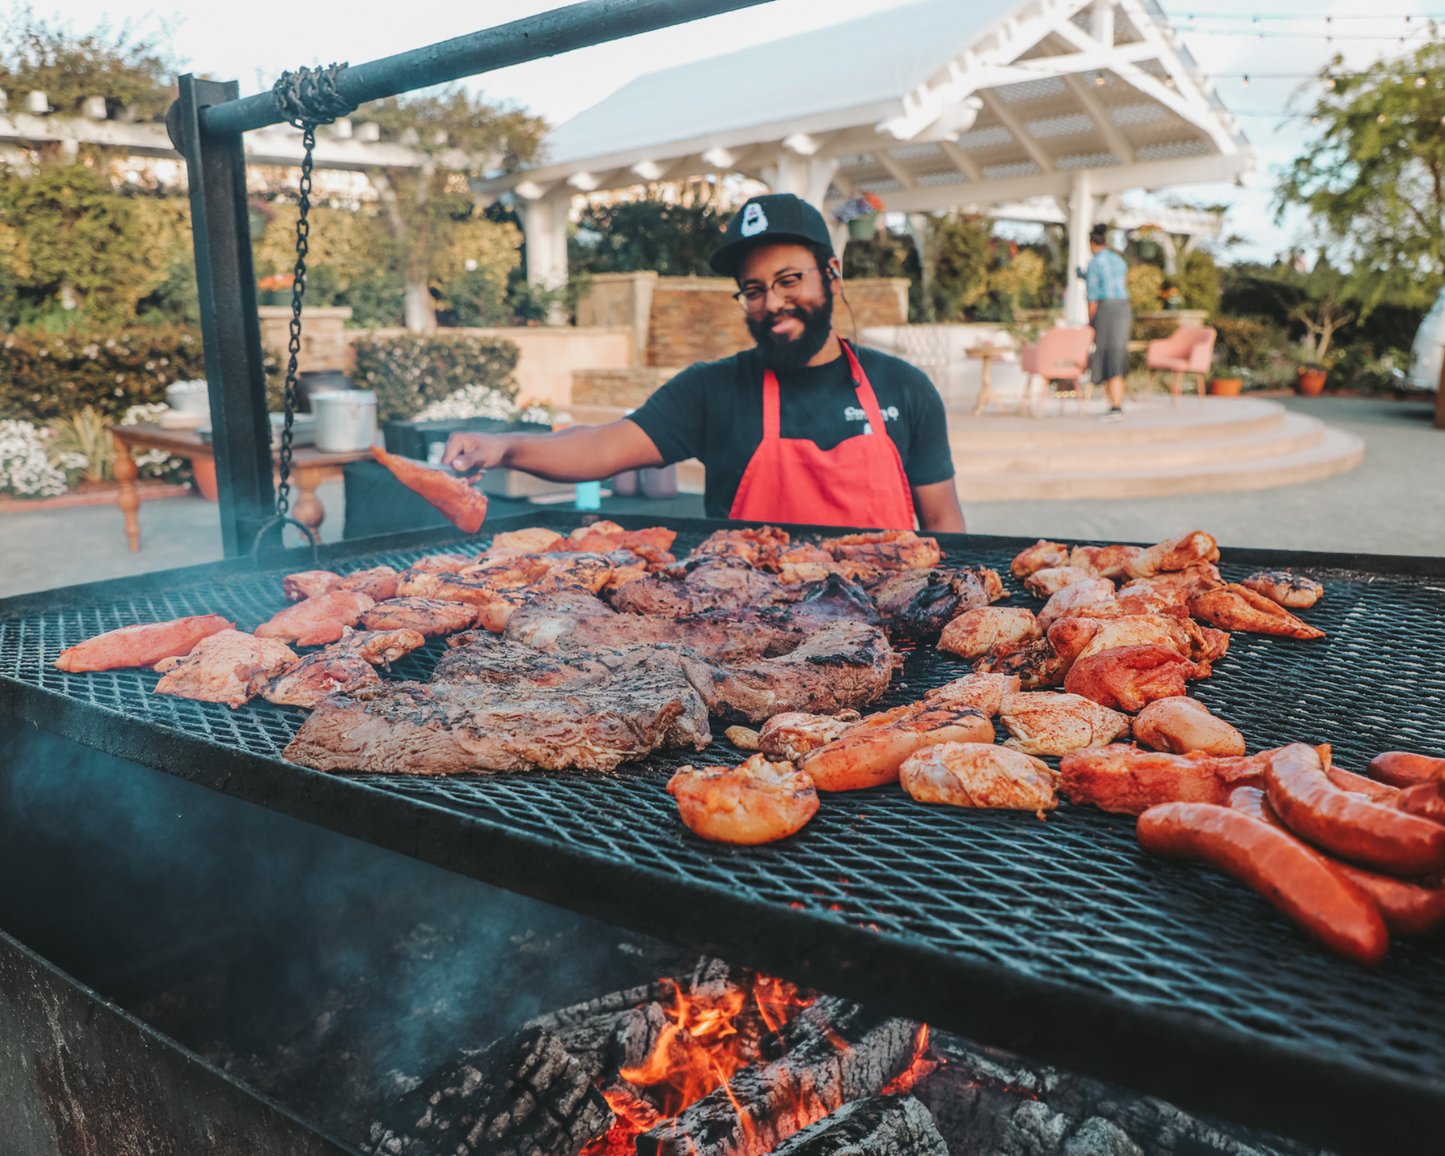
point(1334, 453)
point(1294, 432)
point(1153, 422)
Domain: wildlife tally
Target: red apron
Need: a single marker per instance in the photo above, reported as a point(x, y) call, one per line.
point(859, 482)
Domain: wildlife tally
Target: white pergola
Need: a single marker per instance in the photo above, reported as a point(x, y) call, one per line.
point(935, 105)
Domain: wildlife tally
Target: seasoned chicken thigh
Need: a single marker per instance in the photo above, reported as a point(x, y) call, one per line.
point(1048, 582)
point(223, 667)
point(1074, 598)
point(1041, 555)
point(1047, 723)
point(977, 631)
point(1179, 724)
point(1131, 676)
point(979, 775)
point(794, 733)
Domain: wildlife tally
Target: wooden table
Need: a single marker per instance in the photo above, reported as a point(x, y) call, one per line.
point(309, 468)
point(986, 354)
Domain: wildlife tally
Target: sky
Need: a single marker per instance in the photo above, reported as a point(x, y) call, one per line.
point(1277, 46)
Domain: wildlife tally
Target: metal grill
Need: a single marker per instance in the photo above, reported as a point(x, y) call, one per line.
point(1070, 908)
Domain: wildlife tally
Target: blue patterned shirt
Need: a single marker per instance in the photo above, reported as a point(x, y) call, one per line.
point(1107, 278)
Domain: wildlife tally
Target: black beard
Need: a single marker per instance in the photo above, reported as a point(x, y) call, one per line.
point(797, 352)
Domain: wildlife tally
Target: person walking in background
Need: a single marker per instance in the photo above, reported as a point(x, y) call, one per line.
point(1107, 288)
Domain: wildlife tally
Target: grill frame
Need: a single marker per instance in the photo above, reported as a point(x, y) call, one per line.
point(1196, 1058)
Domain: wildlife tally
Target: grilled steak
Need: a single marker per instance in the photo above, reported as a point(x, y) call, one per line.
point(925, 601)
point(723, 583)
point(810, 606)
point(428, 616)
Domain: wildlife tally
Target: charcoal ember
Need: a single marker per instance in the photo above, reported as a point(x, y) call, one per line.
point(522, 1096)
point(831, 1052)
point(987, 1100)
point(877, 1126)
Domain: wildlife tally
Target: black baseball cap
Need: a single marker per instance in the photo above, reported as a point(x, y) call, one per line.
point(776, 218)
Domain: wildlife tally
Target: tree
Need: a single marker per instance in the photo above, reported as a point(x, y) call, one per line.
point(132, 69)
point(430, 217)
point(673, 237)
point(1374, 178)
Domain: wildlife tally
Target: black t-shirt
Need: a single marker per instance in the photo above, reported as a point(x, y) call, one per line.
point(714, 411)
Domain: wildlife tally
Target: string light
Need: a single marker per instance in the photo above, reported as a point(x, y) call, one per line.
point(1099, 79)
point(1244, 82)
point(1420, 81)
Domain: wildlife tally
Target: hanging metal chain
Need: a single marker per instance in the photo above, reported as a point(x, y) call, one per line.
point(306, 98)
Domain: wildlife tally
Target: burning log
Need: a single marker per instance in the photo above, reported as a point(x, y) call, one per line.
point(832, 1052)
point(880, 1126)
point(522, 1096)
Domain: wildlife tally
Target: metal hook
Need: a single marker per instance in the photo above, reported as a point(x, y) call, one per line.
point(283, 521)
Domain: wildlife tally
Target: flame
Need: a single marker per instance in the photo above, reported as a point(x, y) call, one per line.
point(919, 1067)
point(709, 1036)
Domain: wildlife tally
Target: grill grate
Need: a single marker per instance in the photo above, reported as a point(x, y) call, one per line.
point(1072, 900)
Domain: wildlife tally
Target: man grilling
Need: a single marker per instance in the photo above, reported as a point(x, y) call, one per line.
point(804, 427)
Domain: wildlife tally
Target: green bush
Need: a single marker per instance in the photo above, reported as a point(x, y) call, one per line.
point(1247, 343)
point(408, 372)
point(45, 377)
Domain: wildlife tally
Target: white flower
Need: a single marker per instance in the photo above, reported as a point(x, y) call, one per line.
point(24, 470)
point(471, 401)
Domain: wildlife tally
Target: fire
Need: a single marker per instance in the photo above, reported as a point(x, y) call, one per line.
point(919, 1067)
point(708, 1037)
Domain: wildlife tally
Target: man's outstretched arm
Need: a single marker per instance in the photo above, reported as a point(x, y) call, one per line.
point(577, 454)
point(938, 509)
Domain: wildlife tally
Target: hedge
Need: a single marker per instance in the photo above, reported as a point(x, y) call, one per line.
point(410, 371)
point(45, 377)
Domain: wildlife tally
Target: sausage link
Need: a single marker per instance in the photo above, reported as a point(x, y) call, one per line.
point(1273, 863)
point(1426, 800)
point(1408, 908)
point(1342, 823)
point(1403, 769)
point(1375, 790)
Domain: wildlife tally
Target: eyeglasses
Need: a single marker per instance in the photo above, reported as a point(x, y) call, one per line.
point(785, 286)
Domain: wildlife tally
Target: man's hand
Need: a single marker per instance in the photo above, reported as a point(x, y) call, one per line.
point(470, 451)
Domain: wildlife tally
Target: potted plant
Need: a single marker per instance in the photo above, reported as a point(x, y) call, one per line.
point(1321, 317)
point(1227, 385)
point(860, 214)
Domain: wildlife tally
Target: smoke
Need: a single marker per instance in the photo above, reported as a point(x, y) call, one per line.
point(328, 973)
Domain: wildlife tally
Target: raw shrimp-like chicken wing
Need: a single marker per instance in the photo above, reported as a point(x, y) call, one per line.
point(1041, 555)
point(1179, 724)
point(1236, 607)
point(975, 632)
point(1047, 723)
point(1285, 587)
point(869, 756)
point(317, 620)
point(143, 645)
point(1131, 676)
point(794, 733)
point(979, 775)
point(223, 668)
point(757, 802)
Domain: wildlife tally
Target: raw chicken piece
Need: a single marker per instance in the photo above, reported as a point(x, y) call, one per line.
point(757, 802)
point(1128, 781)
point(1042, 555)
point(1048, 582)
point(461, 505)
point(1047, 723)
point(334, 670)
point(1285, 587)
point(308, 584)
point(428, 616)
point(1105, 561)
point(1201, 575)
point(1175, 554)
point(317, 620)
point(1180, 724)
point(223, 667)
point(143, 645)
point(1084, 637)
point(982, 691)
point(533, 540)
point(869, 756)
point(1131, 676)
point(1035, 663)
point(379, 583)
point(979, 775)
point(1072, 599)
point(975, 632)
point(1236, 607)
point(792, 734)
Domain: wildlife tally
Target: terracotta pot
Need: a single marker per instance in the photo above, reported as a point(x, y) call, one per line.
point(1311, 382)
point(1225, 386)
point(205, 471)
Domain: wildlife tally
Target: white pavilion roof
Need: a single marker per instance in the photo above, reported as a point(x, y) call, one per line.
point(935, 104)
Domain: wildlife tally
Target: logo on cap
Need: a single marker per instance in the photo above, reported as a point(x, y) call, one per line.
point(754, 220)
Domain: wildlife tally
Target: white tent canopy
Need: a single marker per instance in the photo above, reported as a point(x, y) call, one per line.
point(932, 106)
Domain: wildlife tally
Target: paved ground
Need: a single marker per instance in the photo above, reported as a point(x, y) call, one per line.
point(1392, 504)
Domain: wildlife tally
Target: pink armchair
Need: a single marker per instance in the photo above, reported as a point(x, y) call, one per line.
point(1058, 355)
point(1183, 351)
